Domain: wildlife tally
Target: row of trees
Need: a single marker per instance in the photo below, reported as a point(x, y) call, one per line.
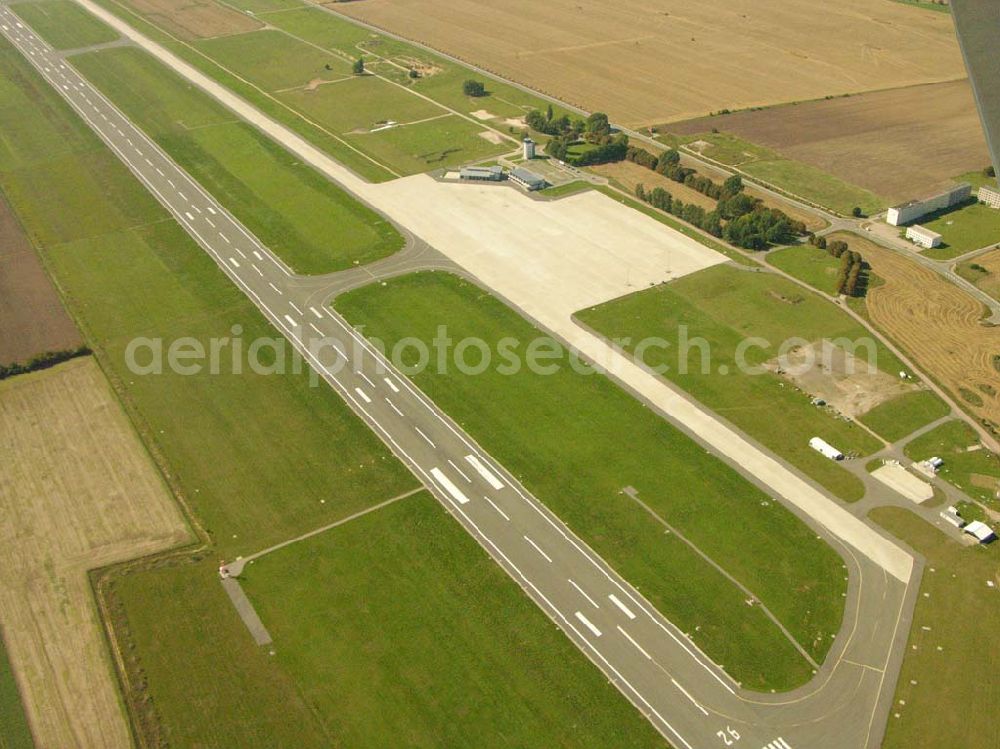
point(595, 130)
point(851, 277)
point(42, 361)
point(709, 221)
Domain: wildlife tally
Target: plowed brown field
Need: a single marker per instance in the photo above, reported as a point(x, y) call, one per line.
point(647, 63)
point(79, 491)
point(195, 19)
point(937, 324)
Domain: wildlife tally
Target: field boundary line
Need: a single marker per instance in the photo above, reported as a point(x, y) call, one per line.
point(236, 568)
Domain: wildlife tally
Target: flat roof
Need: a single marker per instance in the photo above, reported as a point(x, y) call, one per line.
point(481, 170)
point(923, 232)
point(980, 530)
point(527, 175)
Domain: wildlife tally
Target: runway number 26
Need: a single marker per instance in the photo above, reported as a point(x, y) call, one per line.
point(729, 736)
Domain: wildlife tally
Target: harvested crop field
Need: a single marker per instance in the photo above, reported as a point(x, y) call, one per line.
point(194, 19)
point(629, 174)
point(32, 318)
point(937, 323)
point(984, 272)
point(899, 144)
point(646, 63)
point(79, 492)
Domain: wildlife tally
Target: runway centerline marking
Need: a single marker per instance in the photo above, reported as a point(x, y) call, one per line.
point(259, 271)
point(298, 311)
point(583, 593)
point(274, 288)
point(367, 379)
point(637, 646)
point(493, 504)
point(426, 438)
point(391, 405)
point(587, 623)
point(460, 472)
point(539, 550)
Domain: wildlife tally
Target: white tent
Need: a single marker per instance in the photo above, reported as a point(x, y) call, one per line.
point(982, 532)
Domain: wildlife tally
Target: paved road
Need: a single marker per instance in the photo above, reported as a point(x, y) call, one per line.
point(689, 699)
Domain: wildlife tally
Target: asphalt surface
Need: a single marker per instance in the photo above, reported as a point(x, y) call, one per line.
point(688, 698)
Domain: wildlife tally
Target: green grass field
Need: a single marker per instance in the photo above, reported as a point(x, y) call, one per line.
point(14, 730)
point(977, 473)
point(791, 176)
point(444, 142)
point(569, 188)
point(64, 24)
point(390, 589)
point(953, 634)
point(306, 220)
point(970, 227)
point(724, 306)
point(258, 459)
point(904, 414)
point(601, 439)
point(809, 264)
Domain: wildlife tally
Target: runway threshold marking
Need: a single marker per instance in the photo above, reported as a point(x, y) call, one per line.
point(539, 550)
point(588, 624)
point(448, 486)
point(778, 743)
point(483, 471)
point(621, 606)
point(636, 645)
point(583, 593)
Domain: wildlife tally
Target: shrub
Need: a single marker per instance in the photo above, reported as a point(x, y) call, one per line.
point(473, 88)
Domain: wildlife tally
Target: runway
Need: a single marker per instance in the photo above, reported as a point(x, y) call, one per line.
point(686, 696)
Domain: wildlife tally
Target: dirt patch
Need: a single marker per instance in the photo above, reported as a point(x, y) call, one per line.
point(423, 67)
point(515, 122)
point(32, 318)
point(484, 115)
point(843, 381)
point(720, 54)
point(900, 144)
point(79, 492)
point(934, 321)
point(195, 19)
point(492, 137)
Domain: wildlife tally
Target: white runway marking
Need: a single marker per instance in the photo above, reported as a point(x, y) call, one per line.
point(318, 331)
point(274, 288)
point(586, 623)
point(637, 645)
point(393, 407)
point(211, 210)
point(426, 438)
point(583, 593)
point(259, 271)
point(368, 379)
point(494, 506)
point(189, 216)
point(621, 606)
point(257, 255)
point(183, 196)
point(483, 471)
point(363, 394)
point(210, 222)
point(539, 549)
point(298, 311)
point(291, 321)
point(233, 261)
point(460, 472)
point(692, 699)
point(391, 384)
point(316, 312)
point(224, 238)
point(448, 486)
point(241, 253)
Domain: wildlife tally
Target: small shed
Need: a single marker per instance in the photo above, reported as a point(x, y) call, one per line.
point(980, 531)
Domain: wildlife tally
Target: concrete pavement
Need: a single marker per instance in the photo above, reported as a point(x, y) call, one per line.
point(689, 699)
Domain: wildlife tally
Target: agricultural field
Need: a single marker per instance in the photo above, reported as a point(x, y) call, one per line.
point(972, 226)
point(953, 635)
point(34, 320)
point(293, 209)
point(197, 19)
point(967, 465)
point(64, 24)
point(720, 56)
point(936, 323)
point(724, 306)
point(606, 440)
point(984, 272)
point(80, 492)
point(16, 733)
point(895, 144)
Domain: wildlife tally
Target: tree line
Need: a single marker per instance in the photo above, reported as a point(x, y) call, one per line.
point(42, 361)
point(851, 277)
point(738, 218)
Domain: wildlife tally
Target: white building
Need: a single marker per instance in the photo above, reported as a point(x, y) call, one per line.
point(527, 179)
point(825, 448)
point(907, 213)
point(923, 237)
point(481, 173)
point(990, 196)
point(529, 149)
point(980, 531)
